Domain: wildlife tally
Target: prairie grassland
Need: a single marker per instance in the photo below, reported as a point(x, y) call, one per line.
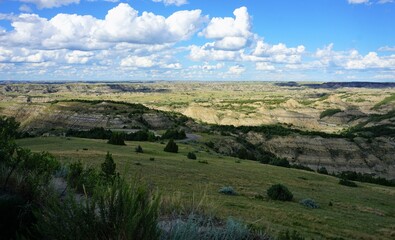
point(365, 212)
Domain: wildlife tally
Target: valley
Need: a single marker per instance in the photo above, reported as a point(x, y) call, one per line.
point(247, 136)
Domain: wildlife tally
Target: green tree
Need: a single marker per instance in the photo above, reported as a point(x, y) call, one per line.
point(108, 167)
point(171, 147)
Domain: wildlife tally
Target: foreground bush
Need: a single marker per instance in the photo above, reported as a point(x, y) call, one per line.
point(81, 179)
point(24, 181)
point(16, 215)
point(279, 192)
point(115, 212)
point(84, 180)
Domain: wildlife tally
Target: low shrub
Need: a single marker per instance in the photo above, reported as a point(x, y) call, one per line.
point(279, 192)
point(309, 203)
point(191, 155)
point(347, 183)
point(227, 191)
point(200, 227)
point(139, 149)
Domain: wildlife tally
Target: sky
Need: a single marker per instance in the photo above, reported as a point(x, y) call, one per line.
point(204, 40)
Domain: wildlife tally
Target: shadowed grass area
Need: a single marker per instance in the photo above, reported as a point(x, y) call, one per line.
point(366, 212)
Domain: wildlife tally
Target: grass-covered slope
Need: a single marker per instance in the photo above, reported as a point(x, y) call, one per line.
point(365, 212)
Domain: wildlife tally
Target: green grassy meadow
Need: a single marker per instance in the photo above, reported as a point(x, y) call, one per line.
point(365, 212)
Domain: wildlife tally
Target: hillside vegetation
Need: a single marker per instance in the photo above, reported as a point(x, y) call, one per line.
point(363, 212)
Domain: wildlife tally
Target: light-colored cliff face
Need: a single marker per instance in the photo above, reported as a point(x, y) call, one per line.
point(201, 113)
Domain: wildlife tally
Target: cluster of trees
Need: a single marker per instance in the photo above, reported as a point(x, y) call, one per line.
point(94, 133)
point(141, 135)
point(116, 138)
point(174, 134)
point(270, 130)
point(364, 177)
point(135, 106)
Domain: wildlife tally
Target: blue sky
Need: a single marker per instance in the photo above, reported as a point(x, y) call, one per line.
point(264, 40)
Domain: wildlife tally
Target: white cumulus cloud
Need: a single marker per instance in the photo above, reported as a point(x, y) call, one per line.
point(279, 53)
point(122, 24)
point(230, 33)
point(237, 69)
point(264, 66)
